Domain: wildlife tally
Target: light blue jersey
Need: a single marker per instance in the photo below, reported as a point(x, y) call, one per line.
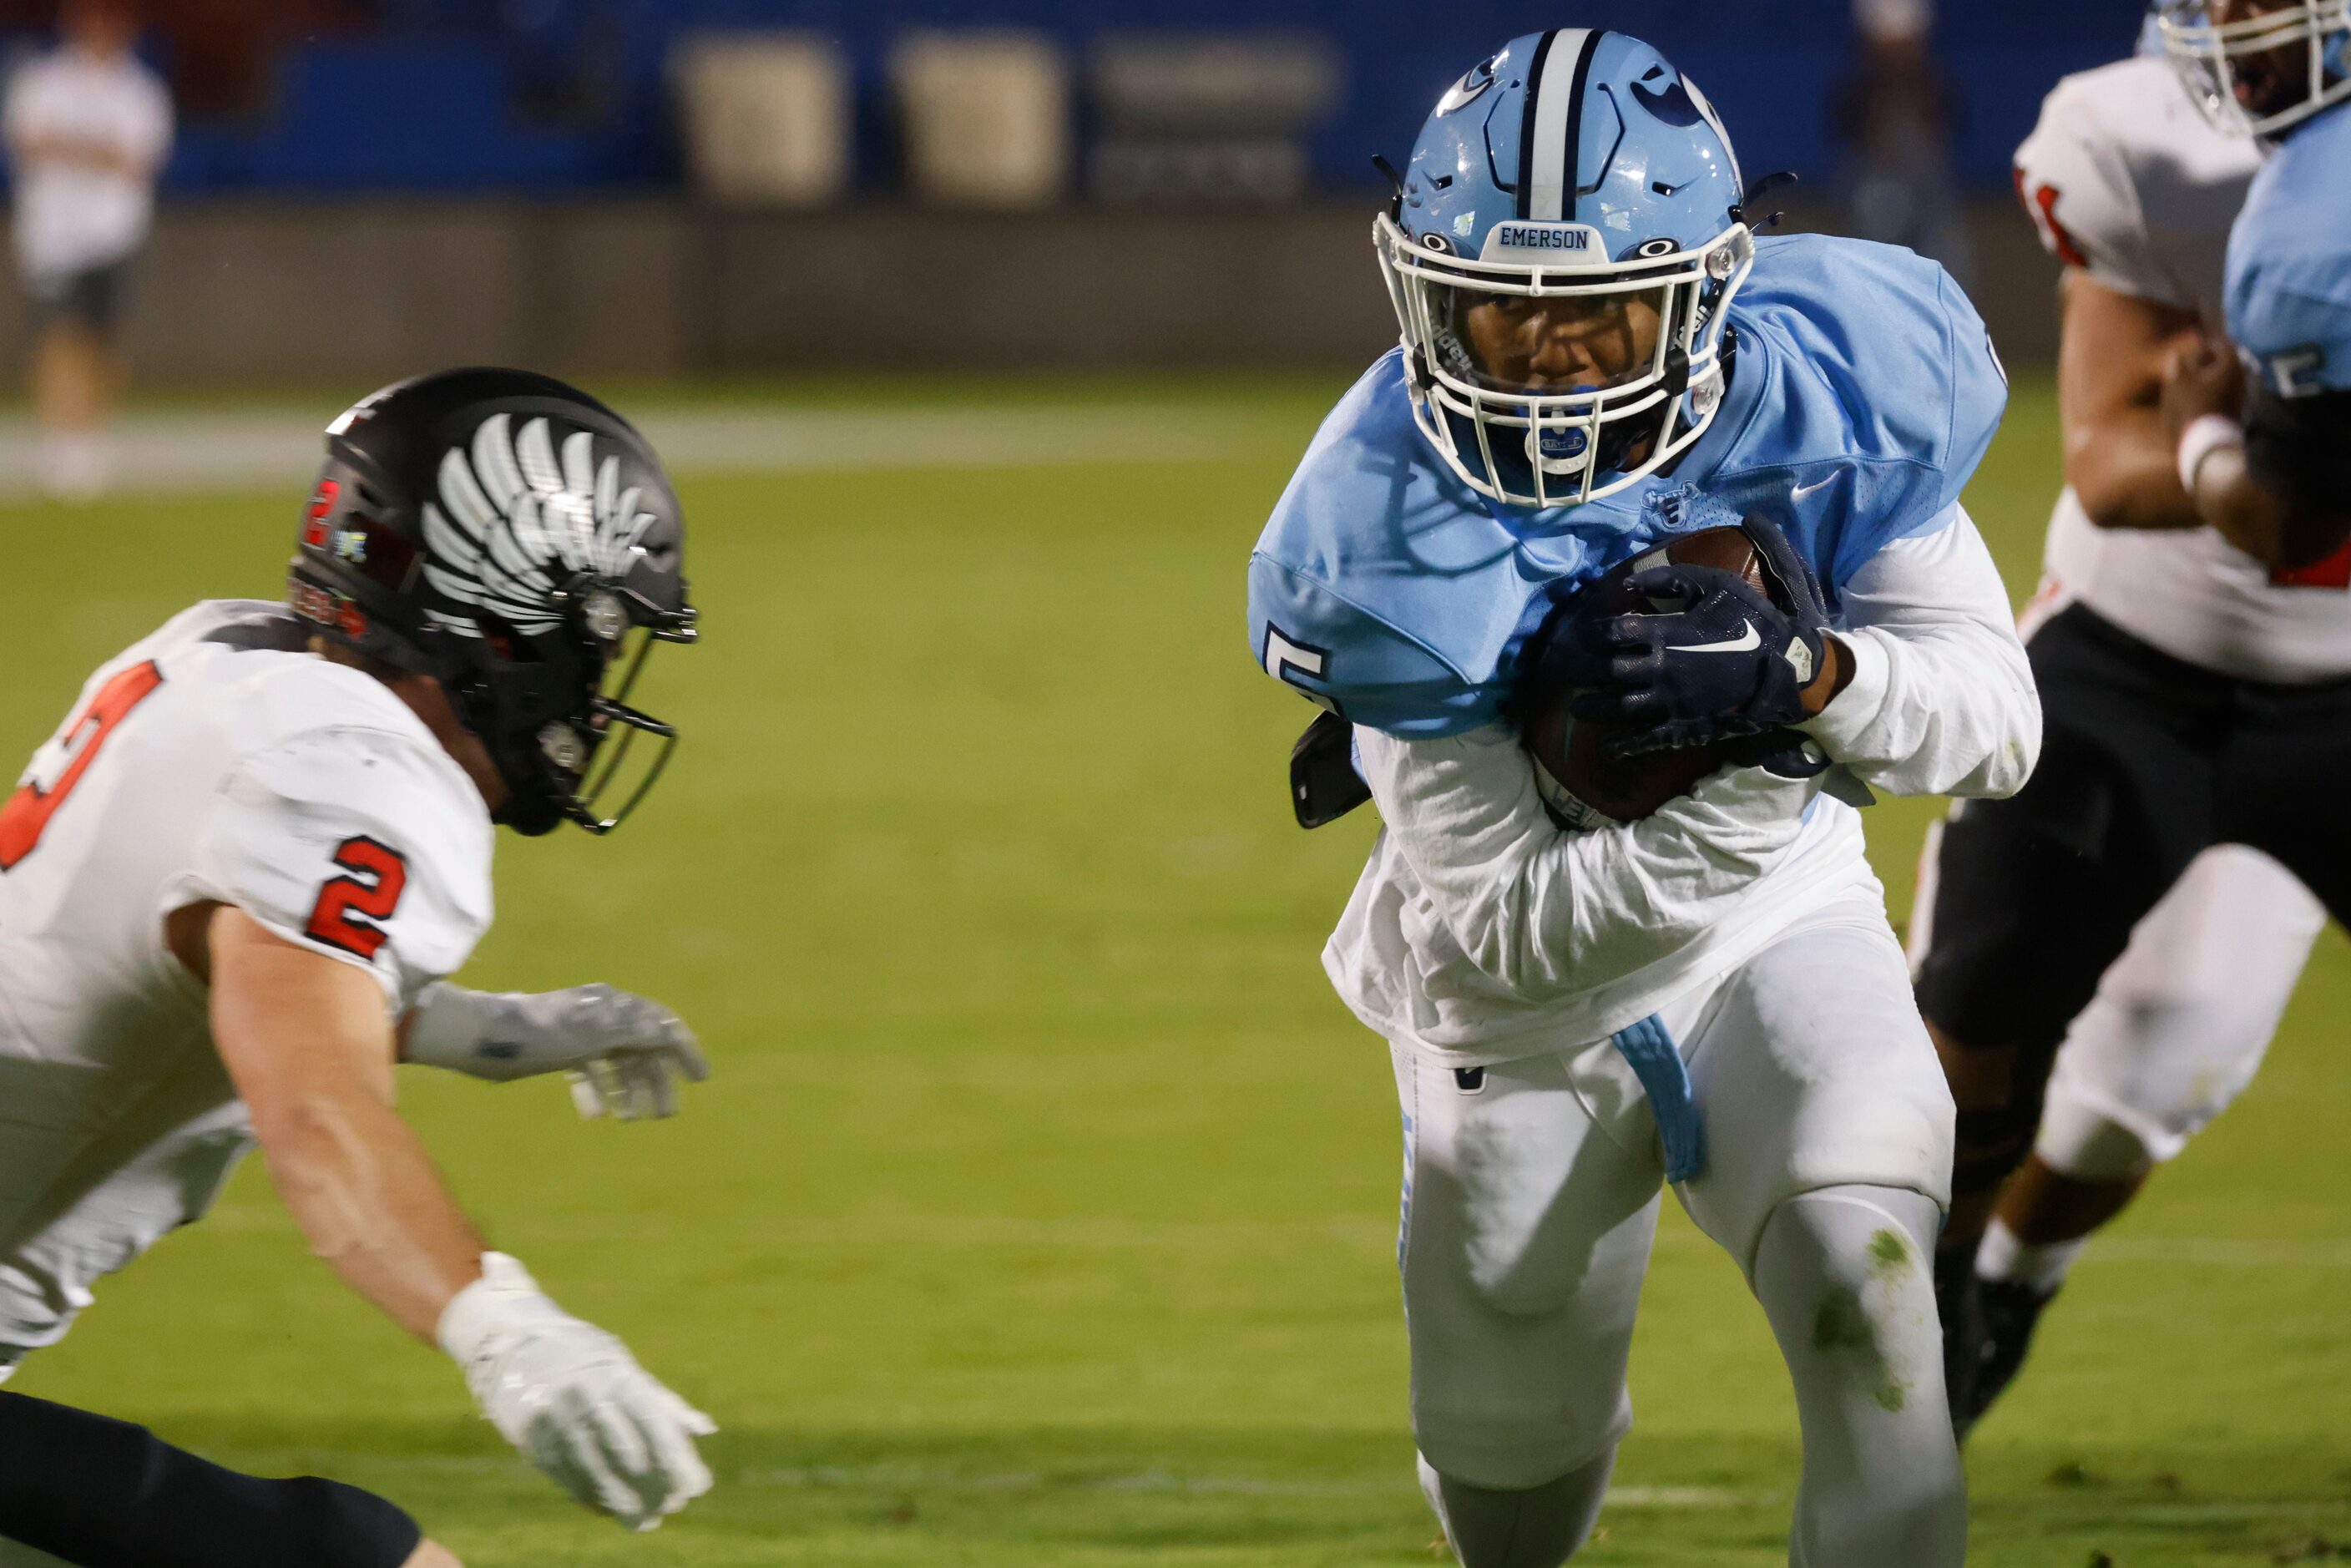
point(1863, 394)
point(2289, 291)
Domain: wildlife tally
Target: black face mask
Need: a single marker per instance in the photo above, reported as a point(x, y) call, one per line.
point(552, 712)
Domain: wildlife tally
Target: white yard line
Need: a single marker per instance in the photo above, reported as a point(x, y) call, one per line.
point(235, 451)
point(1096, 1235)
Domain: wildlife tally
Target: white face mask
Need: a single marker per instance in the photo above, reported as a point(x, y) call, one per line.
point(1543, 349)
point(2209, 58)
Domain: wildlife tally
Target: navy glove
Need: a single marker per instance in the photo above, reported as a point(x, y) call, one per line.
point(1732, 660)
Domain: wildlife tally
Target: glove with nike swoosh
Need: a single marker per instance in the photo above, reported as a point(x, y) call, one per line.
point(1732, 660)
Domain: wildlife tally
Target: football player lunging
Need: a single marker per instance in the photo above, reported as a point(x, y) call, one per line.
point(2194, 681)
point(1597, 354)
point(232, 884)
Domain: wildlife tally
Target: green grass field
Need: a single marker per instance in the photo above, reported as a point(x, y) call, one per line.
point(1040, 1210)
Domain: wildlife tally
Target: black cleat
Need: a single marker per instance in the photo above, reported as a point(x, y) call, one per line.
point(1958, 1303)
point(2005, 1315)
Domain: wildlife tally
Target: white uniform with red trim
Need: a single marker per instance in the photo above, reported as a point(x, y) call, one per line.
point(207, 762)
point(2129, 182)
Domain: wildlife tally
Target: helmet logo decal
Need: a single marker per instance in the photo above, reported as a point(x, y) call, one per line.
point(1672, 105)
point(1662, 245)
point(605, 616)
point(1473, 85)
point(513, 524)
point(563, 746)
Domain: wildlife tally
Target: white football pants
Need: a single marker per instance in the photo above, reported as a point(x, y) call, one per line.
point(2182, 1020)
point(1531, 1199)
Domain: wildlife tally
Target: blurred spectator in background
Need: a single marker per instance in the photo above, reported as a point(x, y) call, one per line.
point(1896, 114)
point(88, 126)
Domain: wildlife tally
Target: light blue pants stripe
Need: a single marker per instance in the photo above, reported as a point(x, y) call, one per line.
point(1665, 1079)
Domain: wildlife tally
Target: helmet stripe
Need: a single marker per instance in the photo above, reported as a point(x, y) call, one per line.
point(1554, 122)
point(1526, 174)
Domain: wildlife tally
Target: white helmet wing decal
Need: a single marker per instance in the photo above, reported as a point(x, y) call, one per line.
point(514, 522)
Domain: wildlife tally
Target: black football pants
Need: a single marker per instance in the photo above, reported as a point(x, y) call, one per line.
point(2145, 762)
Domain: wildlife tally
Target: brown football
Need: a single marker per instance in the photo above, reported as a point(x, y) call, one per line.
point(1575, 778)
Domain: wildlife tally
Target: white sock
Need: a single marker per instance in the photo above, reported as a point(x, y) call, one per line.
point(2005, 1256)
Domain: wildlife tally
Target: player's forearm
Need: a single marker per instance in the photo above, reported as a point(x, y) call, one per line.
point(1942, 700)
point(2111, 355)
point(1577, 911)
point(2122, 471)
point(1546, 911)
point(2258, 518)
point(364, 1190)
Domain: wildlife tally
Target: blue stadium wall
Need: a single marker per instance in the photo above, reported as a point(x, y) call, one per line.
point(436, 99)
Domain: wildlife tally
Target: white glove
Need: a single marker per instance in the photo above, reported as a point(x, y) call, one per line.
point(573, 1399)
point(622, 1052)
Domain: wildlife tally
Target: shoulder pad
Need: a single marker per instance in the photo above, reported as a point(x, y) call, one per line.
point(2120, 157)
point(362, 844)
point(2077, 190)
point(1380, 588)
point(286, 695)
point(1876, 363)
point(2290, 265)
point(1351, 663)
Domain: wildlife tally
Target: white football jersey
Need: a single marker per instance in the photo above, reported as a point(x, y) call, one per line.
point(2128, 181)
point(210, 761)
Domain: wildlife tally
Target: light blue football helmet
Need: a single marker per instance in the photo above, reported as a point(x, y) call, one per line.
point(2204, 52)
point(1562, 252)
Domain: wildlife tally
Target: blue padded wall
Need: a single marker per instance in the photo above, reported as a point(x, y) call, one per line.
point(440, 96)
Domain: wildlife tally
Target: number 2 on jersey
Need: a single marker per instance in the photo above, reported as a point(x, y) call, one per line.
point(349, 908)
point(59, 765)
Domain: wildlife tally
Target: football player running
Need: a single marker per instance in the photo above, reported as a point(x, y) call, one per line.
point(233, 882)
point(2194, 655)
point(1597, 353)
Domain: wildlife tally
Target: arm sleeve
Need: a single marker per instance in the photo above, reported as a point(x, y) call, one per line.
point(1942, 700)
point(352, 845)
point(1545, 911)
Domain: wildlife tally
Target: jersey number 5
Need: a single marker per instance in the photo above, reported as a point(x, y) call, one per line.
point(58, 765)
point(349, 908)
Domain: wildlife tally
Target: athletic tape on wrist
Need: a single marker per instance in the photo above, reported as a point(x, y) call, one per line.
point(505, 1298)
point(2205, 435)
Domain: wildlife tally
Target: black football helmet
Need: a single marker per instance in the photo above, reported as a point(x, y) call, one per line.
point(518, 541)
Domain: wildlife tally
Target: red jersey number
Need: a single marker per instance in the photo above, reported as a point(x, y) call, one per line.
point(2040, 203)
point(350, 909)
point(28, 810)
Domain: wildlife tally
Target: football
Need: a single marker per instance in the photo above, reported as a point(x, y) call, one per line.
point(1580, 785)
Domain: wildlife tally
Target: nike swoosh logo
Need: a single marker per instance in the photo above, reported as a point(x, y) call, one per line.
point(1801, 491)
point(1752, 638)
